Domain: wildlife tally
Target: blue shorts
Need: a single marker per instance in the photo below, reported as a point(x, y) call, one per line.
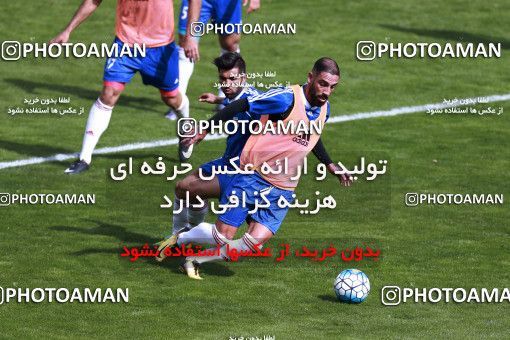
point(219, 11)
point(159, 67)
point(224, 179)
point(271, 217)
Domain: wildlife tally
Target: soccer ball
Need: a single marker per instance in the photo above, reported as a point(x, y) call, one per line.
point(351, 286)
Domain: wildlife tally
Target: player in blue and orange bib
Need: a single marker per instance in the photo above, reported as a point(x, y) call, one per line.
point(142, 22)
point(297, 103)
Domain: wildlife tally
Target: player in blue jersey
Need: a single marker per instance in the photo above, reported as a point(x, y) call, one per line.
point(221, 12)
point(232, 77)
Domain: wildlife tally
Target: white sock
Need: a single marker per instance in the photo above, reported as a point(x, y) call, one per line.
point(185, 71)
point(99, 118)
point(180, 220)
point(204, 233)
point(183, 110)
point(245, 243)
point(195, 217)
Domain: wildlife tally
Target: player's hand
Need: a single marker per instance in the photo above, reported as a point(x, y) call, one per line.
point(190, 47)
point(345, 179)
point(254, 5)
point(208, 98)
point(188, 141)
point(63, 37)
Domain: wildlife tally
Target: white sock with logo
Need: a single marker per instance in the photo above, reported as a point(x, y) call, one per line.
point(183, 110)
point(204, 233)
point(97, 123)
point(245, 243)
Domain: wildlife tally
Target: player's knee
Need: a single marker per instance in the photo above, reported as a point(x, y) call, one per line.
point(229, 234)
point(171, 98)
point(169, 95)
point(110, 94)
point(108, 100)
point(226, 233)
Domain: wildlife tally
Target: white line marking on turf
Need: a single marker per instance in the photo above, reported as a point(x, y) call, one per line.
point(337, 119)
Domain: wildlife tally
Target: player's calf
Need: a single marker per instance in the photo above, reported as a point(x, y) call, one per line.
point(97, 123)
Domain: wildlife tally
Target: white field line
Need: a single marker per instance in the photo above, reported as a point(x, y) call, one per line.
point(337, 119)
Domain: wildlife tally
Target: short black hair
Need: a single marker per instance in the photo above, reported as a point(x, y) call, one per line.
point(230, 60)
point(326, 64)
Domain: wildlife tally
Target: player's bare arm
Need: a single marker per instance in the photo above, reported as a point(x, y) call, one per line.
point(188, 43)
point(86, 8)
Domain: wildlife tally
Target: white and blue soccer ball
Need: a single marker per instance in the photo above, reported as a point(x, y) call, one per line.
point(352, 286)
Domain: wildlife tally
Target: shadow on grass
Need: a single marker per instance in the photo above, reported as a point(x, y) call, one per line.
point(32, 149)
point(333, 299)
point(328, 298)
point(459, 36)
point(106, 229)
point(133, 239)
point(144, 105)
point(139, 103)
